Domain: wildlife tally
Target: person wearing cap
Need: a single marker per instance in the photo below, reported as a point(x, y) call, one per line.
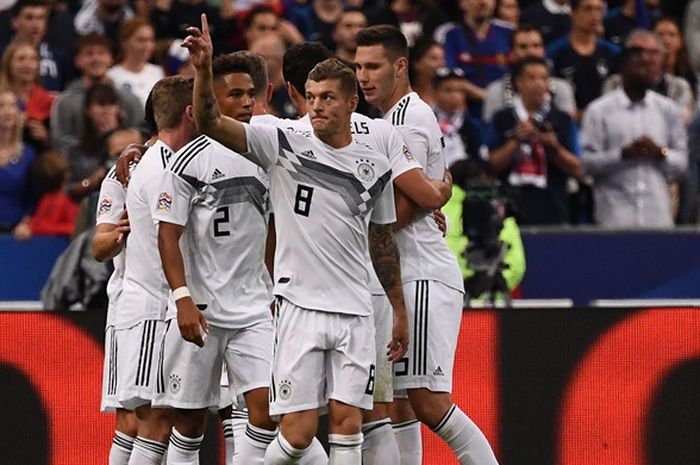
point(461, 132)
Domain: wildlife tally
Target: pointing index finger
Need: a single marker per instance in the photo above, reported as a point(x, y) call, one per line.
point(205, 25)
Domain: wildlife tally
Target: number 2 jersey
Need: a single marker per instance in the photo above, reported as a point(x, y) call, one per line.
point(222, 201)
point(323, 199)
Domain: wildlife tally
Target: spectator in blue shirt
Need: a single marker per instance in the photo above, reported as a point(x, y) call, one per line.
point(16, 158)
point(480, 48)
point(582, 58)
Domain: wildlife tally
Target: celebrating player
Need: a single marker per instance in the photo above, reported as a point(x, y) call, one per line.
point(330, 198)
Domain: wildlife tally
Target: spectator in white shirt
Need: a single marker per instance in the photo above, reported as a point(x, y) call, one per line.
point(134, 73)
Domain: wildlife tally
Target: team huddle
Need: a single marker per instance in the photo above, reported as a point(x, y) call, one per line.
point(327, 217)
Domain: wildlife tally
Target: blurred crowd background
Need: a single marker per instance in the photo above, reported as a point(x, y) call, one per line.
point(582, 111)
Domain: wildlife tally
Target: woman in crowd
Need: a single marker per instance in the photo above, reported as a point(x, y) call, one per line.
point(19, 73)
point(677, 60)
point(134, 73)
point(16, 158)
point(508, 13)
point(102, 114)
point(425, 58)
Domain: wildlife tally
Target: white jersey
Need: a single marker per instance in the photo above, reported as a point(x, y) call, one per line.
point(145, 291)
point(138, 84)
point(323, 199)
point(424, 253)
point(110, 207)
point(222, 201)
point(380, 136)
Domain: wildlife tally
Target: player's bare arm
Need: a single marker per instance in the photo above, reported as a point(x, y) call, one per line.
point(406, 209)
point(428, 194)
point(209, 119)
point(387, 264)
point(189, 318)
point(109, 239)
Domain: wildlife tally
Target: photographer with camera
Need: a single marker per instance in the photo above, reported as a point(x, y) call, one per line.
point(534, 147)
point(483, 234)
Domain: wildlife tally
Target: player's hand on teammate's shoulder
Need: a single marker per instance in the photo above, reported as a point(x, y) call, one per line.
point(198, 43)
point(191, 321)
point(131, 154)
point(399, 337)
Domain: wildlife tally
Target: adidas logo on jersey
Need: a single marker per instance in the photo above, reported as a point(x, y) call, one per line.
point(308, 154)
point(217, 174)
point(438, 372)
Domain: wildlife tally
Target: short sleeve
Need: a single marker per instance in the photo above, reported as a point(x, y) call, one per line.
point(417, 142)
point(264, 143)
point(174, 199)
point(401, 158)
point(110, 205)
point(384, 211)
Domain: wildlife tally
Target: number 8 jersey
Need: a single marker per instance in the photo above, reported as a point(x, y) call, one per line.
point(222, 201)
point(323, 199)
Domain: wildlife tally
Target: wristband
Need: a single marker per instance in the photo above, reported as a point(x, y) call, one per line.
point(180, 293)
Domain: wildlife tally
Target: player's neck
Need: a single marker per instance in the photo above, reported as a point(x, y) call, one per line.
point(338, 140)
point(402, 89)
point(175, 138)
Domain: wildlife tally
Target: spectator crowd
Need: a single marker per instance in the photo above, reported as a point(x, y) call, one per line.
point(585, 111)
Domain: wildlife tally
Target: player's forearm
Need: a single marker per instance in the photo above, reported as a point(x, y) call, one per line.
point(386, 262)
point(171, 255)
point(105, 242)
point(406, 210)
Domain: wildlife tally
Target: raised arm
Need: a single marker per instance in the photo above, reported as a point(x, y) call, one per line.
point(385, 259)
point(210, 121)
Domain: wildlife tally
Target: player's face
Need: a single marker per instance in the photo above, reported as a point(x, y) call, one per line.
point(235, 94)
point(377, 75)
point(329, 107)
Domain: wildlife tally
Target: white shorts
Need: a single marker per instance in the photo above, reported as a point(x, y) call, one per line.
point(320, 356)
point(130, 366)
point(383, 320)
point(227, 395)
point(190, 376)
point(434, 316)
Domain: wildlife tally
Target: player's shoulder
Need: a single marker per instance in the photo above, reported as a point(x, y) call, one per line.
point(186, 156)
point(411, 110)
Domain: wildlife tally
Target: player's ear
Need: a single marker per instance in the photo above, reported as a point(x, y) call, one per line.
point(401, 66)
point(189, 113)
point(353, 101)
